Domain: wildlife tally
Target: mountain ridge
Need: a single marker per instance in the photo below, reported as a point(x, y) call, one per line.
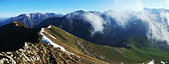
point(110, 54)
point(110, 27)
point(77, 48)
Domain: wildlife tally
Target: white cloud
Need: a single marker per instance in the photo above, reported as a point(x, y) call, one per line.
point(158, 23)
point(95, 20)
point(120, 17)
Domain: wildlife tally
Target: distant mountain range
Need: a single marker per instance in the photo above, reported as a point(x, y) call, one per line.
point(2, 19)
point(107, 28)
point(31, 20)
point(110, 27)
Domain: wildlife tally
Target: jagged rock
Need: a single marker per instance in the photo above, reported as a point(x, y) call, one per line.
point(40, 53)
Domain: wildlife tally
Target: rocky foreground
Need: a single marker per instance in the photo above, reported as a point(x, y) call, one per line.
point(40, 53)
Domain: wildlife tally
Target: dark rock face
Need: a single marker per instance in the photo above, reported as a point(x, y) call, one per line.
point(14, 35)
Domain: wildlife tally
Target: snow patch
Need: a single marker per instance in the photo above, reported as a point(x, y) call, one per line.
point(47, 40)
point(151, 62)
point(162, 62)
point(46, 33)
point(28, 15)
point(49, 26)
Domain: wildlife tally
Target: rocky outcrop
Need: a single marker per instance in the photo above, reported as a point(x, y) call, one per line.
point(40, 53)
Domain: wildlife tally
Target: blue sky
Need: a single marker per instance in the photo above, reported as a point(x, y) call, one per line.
point(9, 8)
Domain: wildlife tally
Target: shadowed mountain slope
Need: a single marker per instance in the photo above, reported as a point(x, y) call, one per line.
point(14, 35)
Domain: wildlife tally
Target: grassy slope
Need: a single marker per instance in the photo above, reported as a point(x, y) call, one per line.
point(139, 53)
point(69, 46)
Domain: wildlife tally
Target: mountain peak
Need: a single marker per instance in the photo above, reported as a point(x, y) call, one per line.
point(79, 11)
point(19, 23)
point(31, 19)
